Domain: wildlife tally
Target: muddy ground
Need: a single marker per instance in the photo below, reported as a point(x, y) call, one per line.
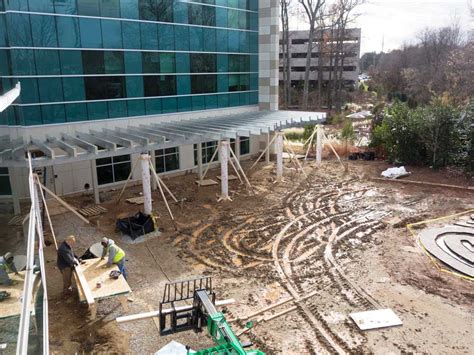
point(338, 237)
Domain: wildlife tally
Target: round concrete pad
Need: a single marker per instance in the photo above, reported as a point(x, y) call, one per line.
point(462, 246)
point(431, 237)
point(96, 249)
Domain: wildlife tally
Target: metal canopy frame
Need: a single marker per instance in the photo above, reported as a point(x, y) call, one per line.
point(141, 138)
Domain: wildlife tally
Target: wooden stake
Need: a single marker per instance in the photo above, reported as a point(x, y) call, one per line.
point(296, 159)
point(164, 197)
point(167, 190)
point(48, 215)
point(209, 164)
point(309, 145)
point(333, 150)
point(235, 169)
point(261, 155)
point(62, 202)
point(242, 170)
point(126, 182)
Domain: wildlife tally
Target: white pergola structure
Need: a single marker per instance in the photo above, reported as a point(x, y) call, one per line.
point(144, 138)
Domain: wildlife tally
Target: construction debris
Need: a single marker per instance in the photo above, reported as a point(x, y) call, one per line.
point(381, 318)
point(395, 173)
point(92, 211)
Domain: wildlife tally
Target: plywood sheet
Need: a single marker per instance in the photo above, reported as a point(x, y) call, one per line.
point(94, 270)
point(12, 306)
point(380, 318)
point(207, 182)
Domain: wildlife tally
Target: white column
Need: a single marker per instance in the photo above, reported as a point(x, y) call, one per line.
point(95, 183)
point(224, 157)
point(267, 154)
point(199, 160)
point(319, 144)
point(14, 184)
point(154, 186)
point(279, 154)
point(145, 164)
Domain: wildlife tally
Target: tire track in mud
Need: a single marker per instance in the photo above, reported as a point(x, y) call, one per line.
point(294, 243)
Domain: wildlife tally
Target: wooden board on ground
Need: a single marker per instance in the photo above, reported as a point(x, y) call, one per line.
point(11, 307)
point(94, 270)
point(92, 211)
point(137, 200)
point(17, 220)
point(207, 182)
point(230, 178)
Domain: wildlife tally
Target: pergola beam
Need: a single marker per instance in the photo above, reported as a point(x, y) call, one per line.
point(69, 149)
point(172, 130)
point(127, 143)
point(155, 137)
point(91, 148)
point(147, 128)
point(121, 132)
point(203, 132)
point(48, 151)
point(97, 141)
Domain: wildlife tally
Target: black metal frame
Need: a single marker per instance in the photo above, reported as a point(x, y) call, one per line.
point(181, 291)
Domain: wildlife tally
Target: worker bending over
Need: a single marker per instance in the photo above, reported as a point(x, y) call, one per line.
point(116, 255)
point(7, 266)
point(67, 261)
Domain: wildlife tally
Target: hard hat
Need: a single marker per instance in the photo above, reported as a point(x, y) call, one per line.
point(8, 256)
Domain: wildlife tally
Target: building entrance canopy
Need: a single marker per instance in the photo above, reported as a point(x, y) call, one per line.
point(146, 137)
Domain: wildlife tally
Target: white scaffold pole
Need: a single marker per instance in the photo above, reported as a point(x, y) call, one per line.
point(319, 144)
point(279, 155)
point(146, 182)
point(224, 156)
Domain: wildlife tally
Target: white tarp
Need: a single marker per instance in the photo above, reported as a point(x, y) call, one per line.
point(395, 173)
point(172, 348)
point(380, 318)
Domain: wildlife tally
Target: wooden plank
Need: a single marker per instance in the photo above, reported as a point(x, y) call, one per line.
point(166, 311)
point(16, 220)
point(207, 182)
point(94, 270)
point(92, 211)
point(230, 178)
point(11, 307)
point(425, 183)
point(83, 285)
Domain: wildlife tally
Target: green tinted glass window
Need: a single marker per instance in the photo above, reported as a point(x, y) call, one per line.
point(111, 34)
point(113, 62)
point(88, 7)
point(203, 63)
point(201, 84)
point(68, 32)
point(109, 8)
point(71, 62)
point(151, 62)
point(93, 62)
point(167, 63)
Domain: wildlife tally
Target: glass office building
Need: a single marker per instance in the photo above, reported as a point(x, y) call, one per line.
point(86, 60)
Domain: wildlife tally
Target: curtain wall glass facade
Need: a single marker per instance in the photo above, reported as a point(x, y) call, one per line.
point(80, 60)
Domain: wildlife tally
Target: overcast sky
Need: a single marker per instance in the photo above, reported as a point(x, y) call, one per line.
point(395, 22)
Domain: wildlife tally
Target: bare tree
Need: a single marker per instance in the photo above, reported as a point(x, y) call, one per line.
point(312, 9)
point(284, 6)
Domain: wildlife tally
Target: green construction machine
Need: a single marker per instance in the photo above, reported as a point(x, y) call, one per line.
point(176, 315)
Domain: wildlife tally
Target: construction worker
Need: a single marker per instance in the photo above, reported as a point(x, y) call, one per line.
point(67, 261)
point(116, 255)
point(7, 266)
